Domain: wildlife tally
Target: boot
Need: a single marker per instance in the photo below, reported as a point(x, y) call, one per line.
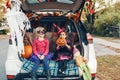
point(48, 75)
point(33, 76)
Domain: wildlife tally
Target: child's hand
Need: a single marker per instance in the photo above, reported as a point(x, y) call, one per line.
point(42, 57)
point(68, 46)
point(58, 47)
point(85, 60)
point(39, 56)
point(65, 42)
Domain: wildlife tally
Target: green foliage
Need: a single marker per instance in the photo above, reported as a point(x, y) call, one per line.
point(4, 31)
point(0, 24)
point(106, 18)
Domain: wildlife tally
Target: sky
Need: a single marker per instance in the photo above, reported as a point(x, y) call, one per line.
point(118, 0)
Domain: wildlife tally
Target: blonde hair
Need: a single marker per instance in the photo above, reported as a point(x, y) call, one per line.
point(39, 28)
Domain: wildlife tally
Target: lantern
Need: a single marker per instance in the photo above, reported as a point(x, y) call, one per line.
point(61, 41)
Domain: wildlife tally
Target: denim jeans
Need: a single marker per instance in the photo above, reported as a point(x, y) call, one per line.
point(37, 61)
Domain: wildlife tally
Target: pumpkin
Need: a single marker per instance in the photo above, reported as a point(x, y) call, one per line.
point(61, 41)
point(28, 51)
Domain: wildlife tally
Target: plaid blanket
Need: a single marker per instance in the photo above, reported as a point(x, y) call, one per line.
point(72, 69)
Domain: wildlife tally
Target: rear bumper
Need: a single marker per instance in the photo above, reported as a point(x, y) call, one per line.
point(26, 76)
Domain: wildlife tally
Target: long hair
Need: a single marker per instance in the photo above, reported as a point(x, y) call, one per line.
point(37, 29)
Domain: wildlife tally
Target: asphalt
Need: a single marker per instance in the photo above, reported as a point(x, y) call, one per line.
point(113, 43)
point(106, 46)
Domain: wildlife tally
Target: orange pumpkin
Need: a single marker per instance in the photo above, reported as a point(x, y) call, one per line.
point(61, 41)
point(28, 51)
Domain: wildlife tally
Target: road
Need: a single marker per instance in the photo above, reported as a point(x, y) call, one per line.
point(106, 47)
point(102, 47)
point(3, 51)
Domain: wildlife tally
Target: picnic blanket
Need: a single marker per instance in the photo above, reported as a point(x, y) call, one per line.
point(72, 69)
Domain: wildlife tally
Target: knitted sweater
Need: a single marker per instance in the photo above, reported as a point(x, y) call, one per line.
point(40, 47)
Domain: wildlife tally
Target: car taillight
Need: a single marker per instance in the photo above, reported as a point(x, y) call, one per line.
point(93, 75)
point(10, 76)
point(89, 38)
point(10, 40)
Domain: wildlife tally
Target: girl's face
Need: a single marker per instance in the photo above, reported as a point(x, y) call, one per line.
point(41, 33)
point(63, 35)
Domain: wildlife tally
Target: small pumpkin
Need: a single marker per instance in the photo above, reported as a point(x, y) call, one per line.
point(28, 51)
point(61, 41)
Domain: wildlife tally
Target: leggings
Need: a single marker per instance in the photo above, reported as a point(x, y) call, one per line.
point(62, 64)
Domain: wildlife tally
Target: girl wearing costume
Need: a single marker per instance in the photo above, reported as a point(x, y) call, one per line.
point(40, 53)
point(64, 52)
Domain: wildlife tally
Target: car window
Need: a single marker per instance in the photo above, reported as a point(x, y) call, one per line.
point(59, 1)
point(67, 26)
point(51, 25)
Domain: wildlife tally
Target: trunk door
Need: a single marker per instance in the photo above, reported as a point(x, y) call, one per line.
point(52, 5)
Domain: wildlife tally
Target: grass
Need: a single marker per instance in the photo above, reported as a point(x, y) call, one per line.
point(108, 67)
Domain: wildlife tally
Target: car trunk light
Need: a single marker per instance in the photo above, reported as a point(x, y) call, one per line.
point(93, 75)
point(89, 37)
point(10, 76)
point(10, 40)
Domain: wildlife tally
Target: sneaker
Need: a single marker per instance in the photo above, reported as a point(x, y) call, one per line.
point(59, 72)
point(63, 73)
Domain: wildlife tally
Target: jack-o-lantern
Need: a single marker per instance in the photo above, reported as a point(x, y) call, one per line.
point(28, 51)
point(61, 41)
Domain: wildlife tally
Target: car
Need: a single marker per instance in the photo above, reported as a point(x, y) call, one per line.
point(53, 15)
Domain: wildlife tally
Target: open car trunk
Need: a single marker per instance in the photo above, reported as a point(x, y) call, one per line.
point(64, 6)
point(72, 71)
point(64, 22)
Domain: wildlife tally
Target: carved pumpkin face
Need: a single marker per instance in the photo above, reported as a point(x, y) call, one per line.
point(28, 51)
point(61, 41)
